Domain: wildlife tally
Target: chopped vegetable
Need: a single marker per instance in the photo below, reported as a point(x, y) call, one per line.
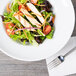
point(47, 29)
point(23, 1)
point(50, 35)
point(15, 7)
point(41, 1)
point(40, 32)
point(9, 31)
point(53, 19)
point(26, 28)
point(20, 6)
point(8, 9)
point(47, 7)
point(34, 1)
point(9, 25)
point(29, 21)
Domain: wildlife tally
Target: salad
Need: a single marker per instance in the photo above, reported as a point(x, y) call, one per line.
point(29, 21)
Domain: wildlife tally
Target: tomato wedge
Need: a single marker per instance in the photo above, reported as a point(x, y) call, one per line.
point(47, 29)
point(9, 25)
point(20, 6)
point(34, 1)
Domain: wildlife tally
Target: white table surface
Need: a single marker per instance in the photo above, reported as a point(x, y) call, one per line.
point(69, 65)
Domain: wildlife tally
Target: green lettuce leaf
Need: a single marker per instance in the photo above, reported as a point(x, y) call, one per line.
point(31, 38)
point(40, 1)
point(23, 1)
point(50, 35)
point(40, 32)
point(14, 8)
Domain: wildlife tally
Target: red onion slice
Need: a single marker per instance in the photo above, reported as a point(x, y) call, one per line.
point(50, 19)
point(42, 11)
point(26, 28)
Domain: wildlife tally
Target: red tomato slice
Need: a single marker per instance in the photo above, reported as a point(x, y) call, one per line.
point(20, 6)
point(47, 29)
point(9, 25)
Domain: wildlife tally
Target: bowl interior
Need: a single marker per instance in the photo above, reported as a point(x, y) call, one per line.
point(64, 24)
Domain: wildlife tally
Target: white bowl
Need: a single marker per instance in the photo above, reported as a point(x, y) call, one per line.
point(64, 24)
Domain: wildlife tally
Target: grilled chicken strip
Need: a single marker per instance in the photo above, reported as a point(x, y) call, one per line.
point(22, 21)
point(34, 10)
point(30, 17)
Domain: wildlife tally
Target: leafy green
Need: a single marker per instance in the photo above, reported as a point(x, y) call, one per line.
point(17, 36)
point(15, 1)
point(42, 37)
point(23, 1)
point(31, 38)
point(24, 42)
point(40, 1)
point(50, 35)
point(15, 21)
point(46, 13)
point(40, 32)
point(8, 15)
point(7, 19)
point(47, 23)
point(14, 8)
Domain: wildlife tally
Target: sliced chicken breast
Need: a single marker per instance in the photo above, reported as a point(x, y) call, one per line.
point(34, 10)
point(22, 20)
point(30, 17)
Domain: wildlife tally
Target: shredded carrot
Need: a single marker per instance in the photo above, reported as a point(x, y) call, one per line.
point(7, 22)
point(20, 13)
point(8, 9)
point(39, 5)
point(27, 8)
point(15, 14)
point(24, 32)
point(45, 21)
point(18, 30)
point(53, 19)
point(11, 31)
point(13, 28)
point(36, 14)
